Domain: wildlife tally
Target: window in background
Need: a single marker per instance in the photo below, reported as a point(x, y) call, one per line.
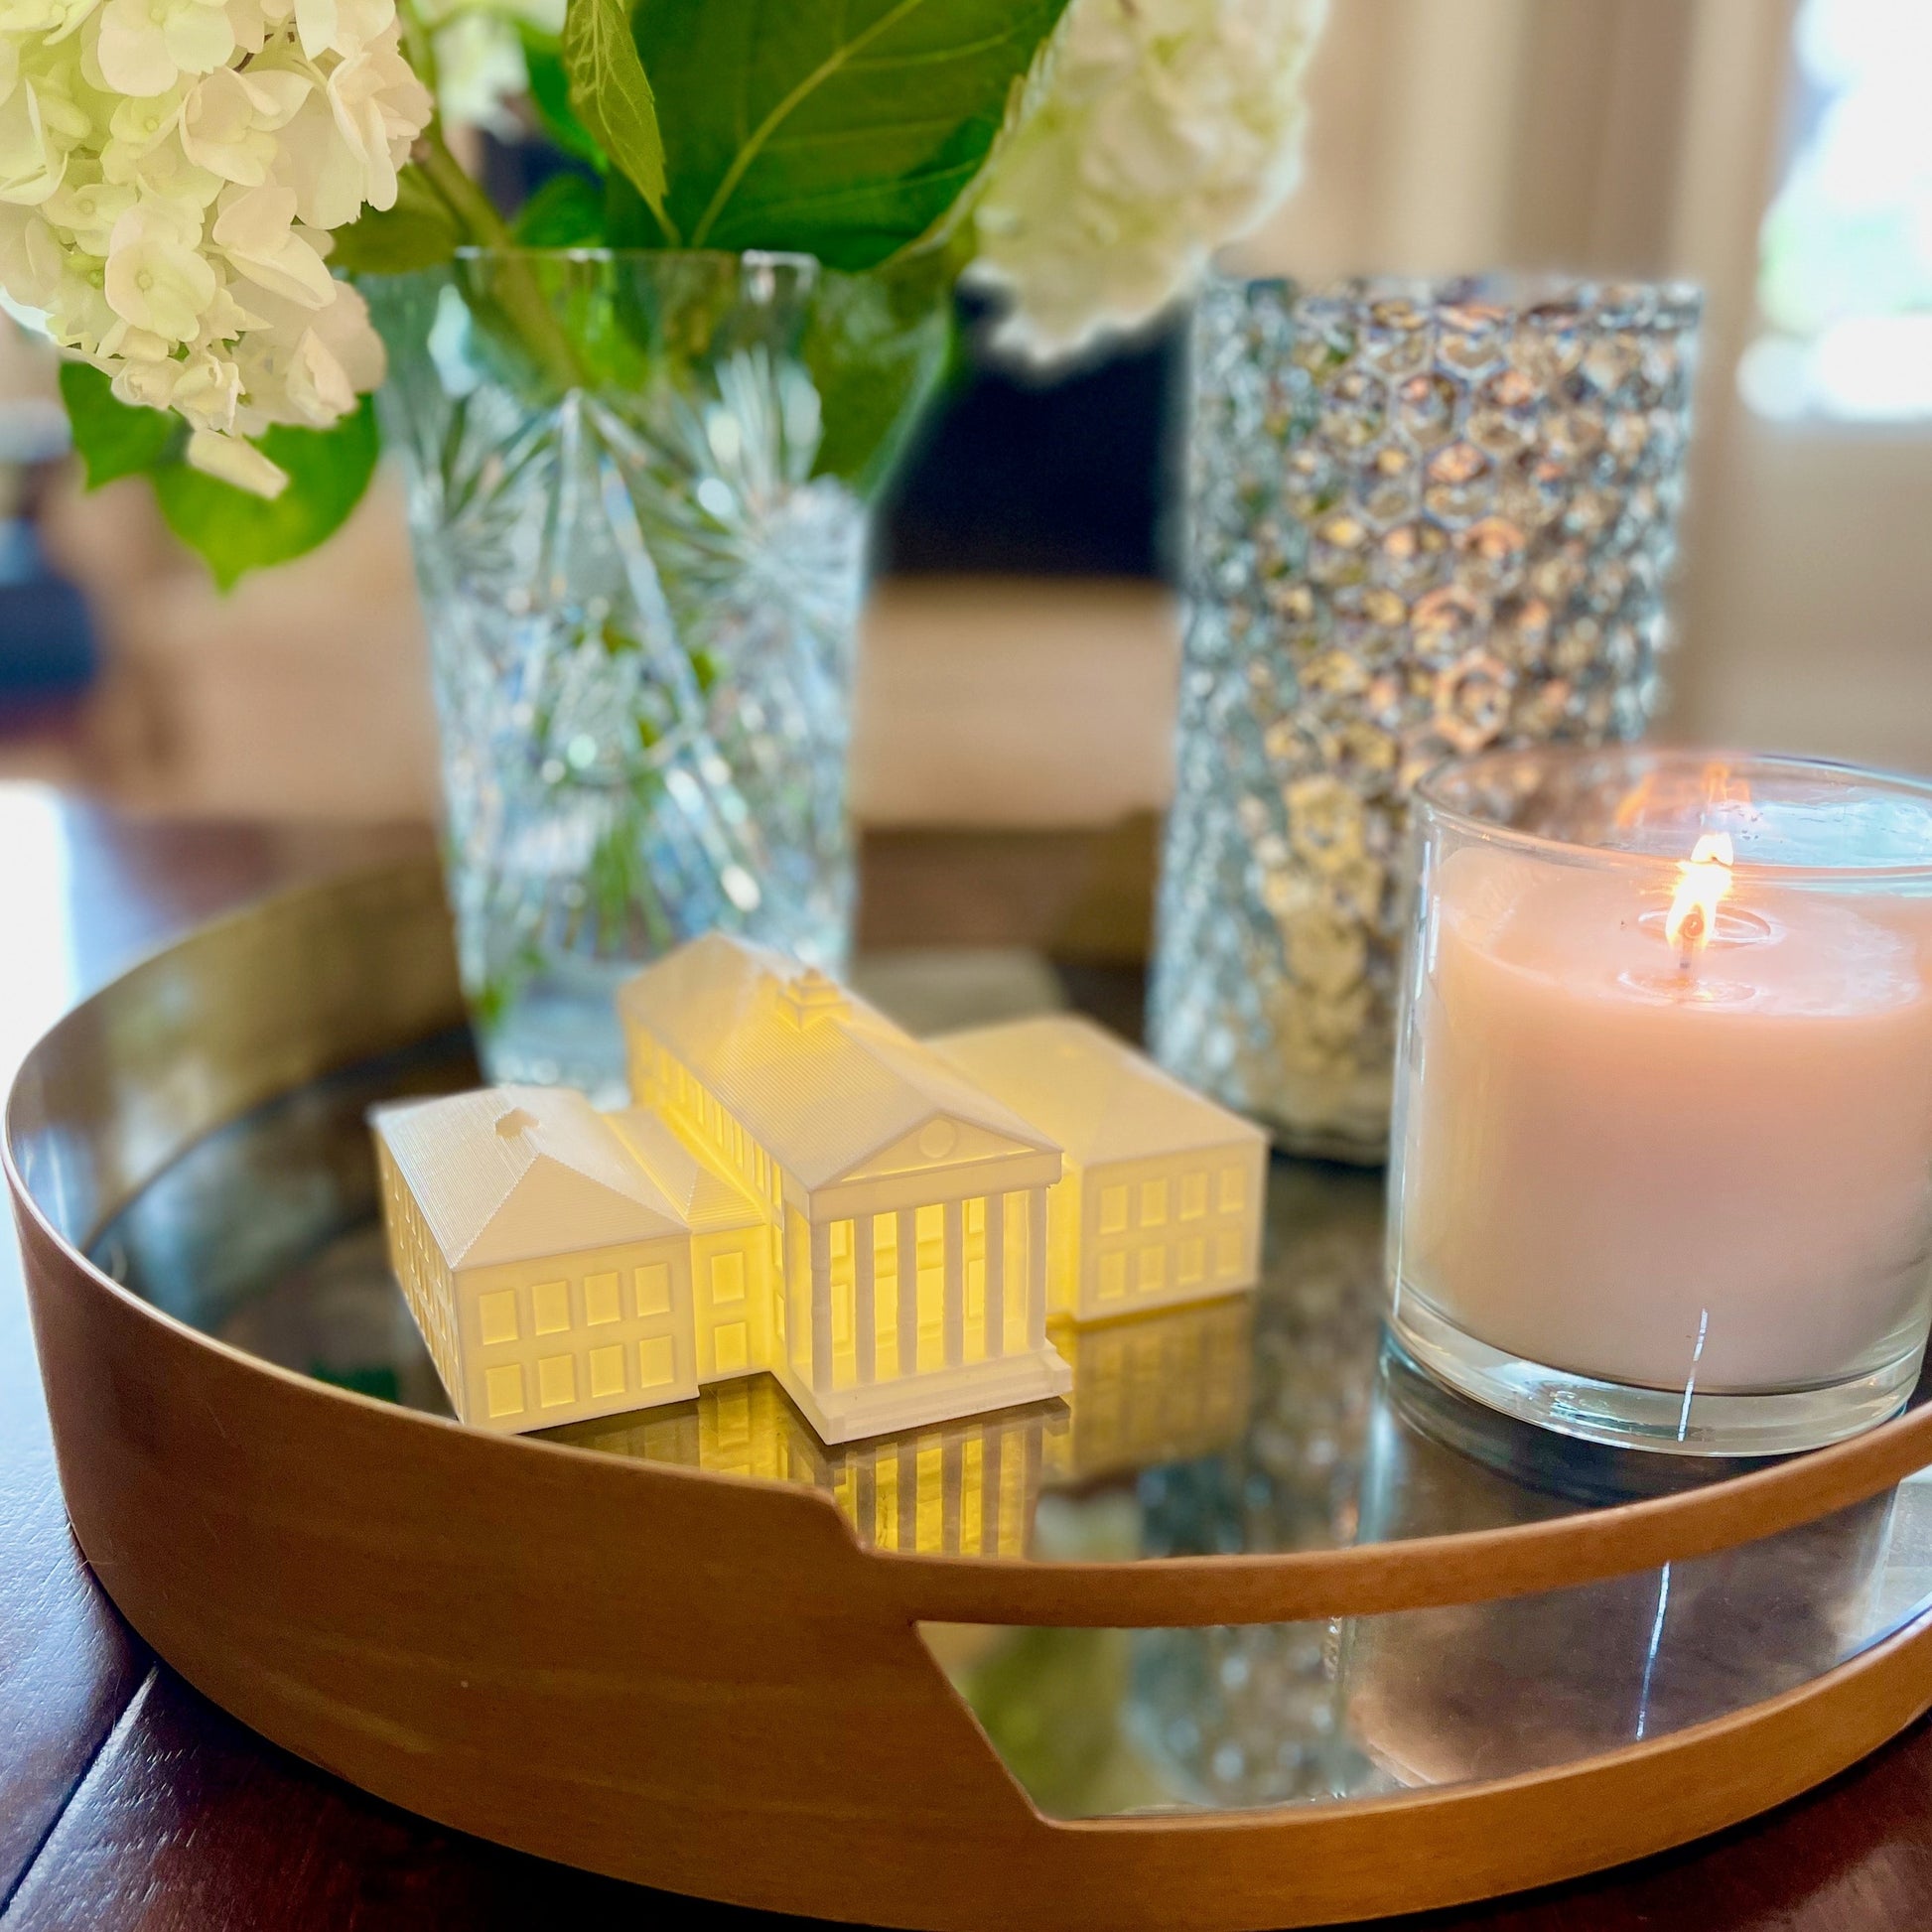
point(1071, 475)
point(1845, 278)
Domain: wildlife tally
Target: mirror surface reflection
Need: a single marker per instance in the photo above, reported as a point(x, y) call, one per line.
point(1272, 1421)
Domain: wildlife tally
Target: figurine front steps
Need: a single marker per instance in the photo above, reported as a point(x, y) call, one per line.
point(934, 1396)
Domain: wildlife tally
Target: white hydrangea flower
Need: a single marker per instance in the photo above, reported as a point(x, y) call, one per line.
point(157, 278)
point(1157, 131)
point(168, 173)
point(146, 46)
point(235, 461)
point(228, 125)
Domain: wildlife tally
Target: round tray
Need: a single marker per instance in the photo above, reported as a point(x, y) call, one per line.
point(1258, 1630)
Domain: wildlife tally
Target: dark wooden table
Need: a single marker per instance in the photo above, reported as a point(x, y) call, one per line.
point(127, 1801)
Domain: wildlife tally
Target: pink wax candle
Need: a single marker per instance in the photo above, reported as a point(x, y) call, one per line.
point(1665, 1123)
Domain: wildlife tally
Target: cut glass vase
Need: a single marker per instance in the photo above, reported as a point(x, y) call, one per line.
point(638, 489)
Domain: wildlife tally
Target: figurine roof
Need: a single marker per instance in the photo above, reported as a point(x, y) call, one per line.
point(1096, 1095)
point(709, 1198)
point(518, 1173)
point(818, 1077)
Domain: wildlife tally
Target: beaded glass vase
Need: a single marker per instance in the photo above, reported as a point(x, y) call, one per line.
point(1425, 518)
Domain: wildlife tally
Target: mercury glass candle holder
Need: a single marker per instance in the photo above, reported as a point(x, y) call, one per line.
point(1663, 1124)
point(1424, 518)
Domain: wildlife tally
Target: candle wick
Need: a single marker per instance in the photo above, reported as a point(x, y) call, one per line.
point(1690, 934)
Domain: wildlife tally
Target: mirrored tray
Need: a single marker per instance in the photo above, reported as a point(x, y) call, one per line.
point(1092, 1577)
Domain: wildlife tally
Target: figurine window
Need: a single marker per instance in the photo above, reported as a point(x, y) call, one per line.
point(496, 1316)
point(1232, 1190)
point(930, 1235)
point(503, 1391)
point(729, 1346)
point(550, 1307)
point(601, 1300)
point(726, 1280)
point(1113, 1209)
point(1193, 1196)
point(556, 1381)
point(1154, 1203)
point(974, 1276)
point(844, 1259)
point(653, 1286)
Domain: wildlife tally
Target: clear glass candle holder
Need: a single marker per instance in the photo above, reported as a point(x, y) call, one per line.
point(1663, 1129)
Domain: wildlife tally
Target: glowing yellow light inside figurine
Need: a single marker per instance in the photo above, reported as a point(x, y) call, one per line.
point(884, 1224)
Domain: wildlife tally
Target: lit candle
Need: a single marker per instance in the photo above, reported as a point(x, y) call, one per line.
point(1666, 1127)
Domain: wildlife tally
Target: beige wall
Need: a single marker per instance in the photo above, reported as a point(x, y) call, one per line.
point(1634, 136)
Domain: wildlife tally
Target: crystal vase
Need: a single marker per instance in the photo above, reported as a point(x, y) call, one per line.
point(1425, 518)
point(637, 500)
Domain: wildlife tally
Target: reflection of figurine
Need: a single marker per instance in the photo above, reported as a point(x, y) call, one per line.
point(803, 1187)
point(1161, 1389)
point(957, 1488)
point(1153, 1390)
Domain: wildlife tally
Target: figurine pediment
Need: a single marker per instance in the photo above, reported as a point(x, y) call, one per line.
point(940, 1142)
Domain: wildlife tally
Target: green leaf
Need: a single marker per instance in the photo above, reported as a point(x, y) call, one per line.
point(627, 217)
point(114, 438)
point(611, 94)
point(550, 96)
point(234, 532)
point(418, 232)
point(845, 129)
point(876, 346)
point(566, 212)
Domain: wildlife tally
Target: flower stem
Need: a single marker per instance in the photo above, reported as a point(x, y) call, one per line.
point(472, 208)
point(420, 45)
point(516, 289)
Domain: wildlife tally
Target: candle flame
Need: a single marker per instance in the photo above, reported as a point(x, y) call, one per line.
point(1701, 884)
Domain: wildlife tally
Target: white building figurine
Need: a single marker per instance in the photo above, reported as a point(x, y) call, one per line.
point(1160, 1199)
point(804, 1188)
